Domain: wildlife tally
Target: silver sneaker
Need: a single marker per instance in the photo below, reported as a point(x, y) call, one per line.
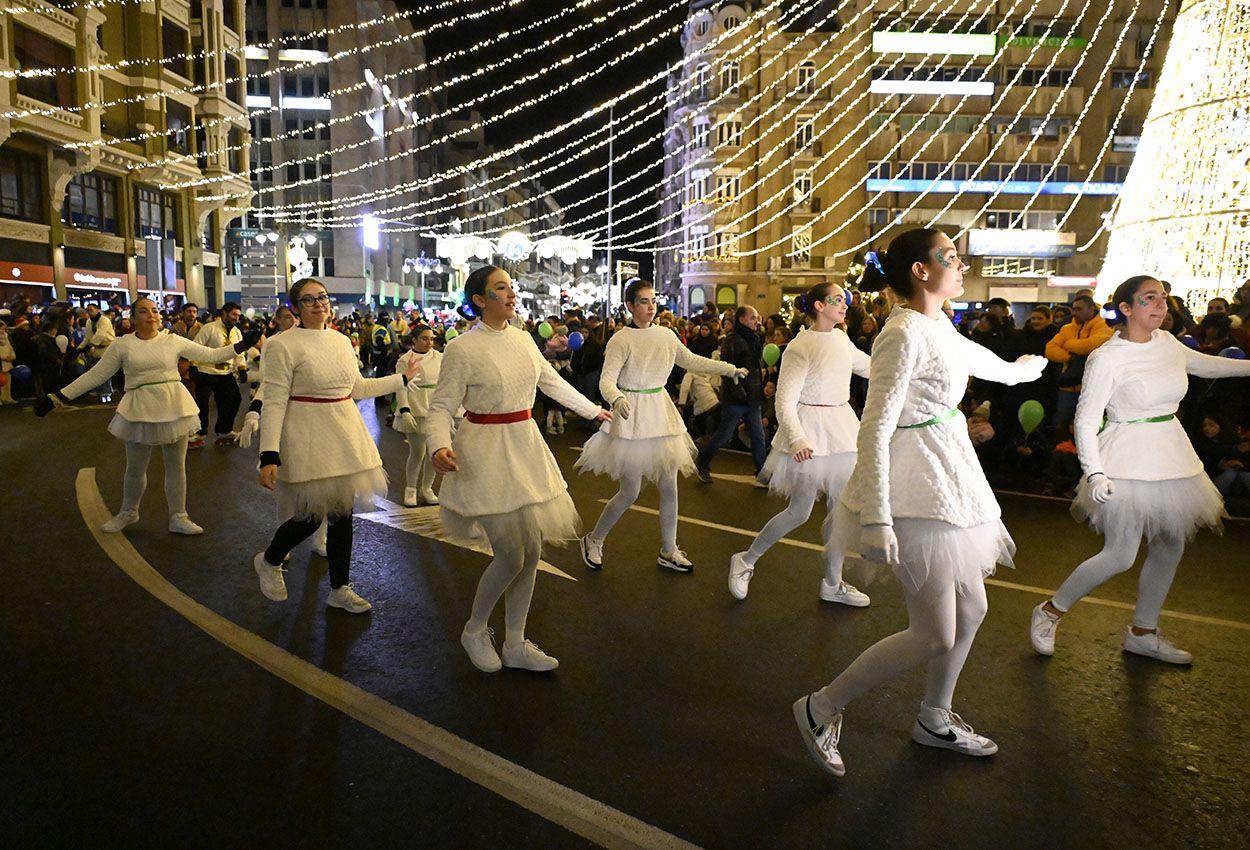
point(843, 594)
point(527, 656)
point(348, 599)
point(740, 573)
point(821, 740)
point(946, 730)
point(182, 524)
point(592, 552)
point(1042, 630)
point(272, 584)
point(675, 560)
point(1155, 645)
point(481, 649)
point(120, 521)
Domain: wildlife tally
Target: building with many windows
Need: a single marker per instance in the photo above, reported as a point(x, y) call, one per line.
point(113, 104)
point(796, 144)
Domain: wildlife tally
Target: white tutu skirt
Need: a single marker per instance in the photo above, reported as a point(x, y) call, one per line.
point(153, 433)
point(830, 472)
point(1175, 508)
point(653, 457)
point(339, 495)
point(931, 546)
point(556, 521)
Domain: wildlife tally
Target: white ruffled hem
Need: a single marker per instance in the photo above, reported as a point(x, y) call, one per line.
point(556, 521)
point(1174, 507)
point(929, 546)
point(339, 496)
point(153, 433)
point(830, 472)
point(652, 458)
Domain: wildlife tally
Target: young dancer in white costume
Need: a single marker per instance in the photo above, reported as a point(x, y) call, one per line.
point(315, 449)
point(814, 450)
point(1142, 476)
point(156, 410)
point(412, 410)
point(647, 437)
point(918, 500)
point(499, 475)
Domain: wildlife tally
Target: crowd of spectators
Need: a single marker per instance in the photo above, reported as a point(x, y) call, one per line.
point(58, 342)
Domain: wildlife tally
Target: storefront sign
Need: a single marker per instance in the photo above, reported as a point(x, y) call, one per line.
point(29, 274)
point(88, 279)
point(1011, 242)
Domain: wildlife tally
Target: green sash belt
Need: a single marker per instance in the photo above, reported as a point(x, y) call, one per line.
point(942, 417)
point(427, 386)
point(1164, 418)
point(157, 383)
point(651, 391)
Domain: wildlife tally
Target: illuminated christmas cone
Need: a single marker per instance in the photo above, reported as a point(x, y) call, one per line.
point(1184, 214)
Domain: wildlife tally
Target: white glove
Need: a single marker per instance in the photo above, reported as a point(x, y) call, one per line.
point(740, 373)
point(878, 543)
point(620, 408)
point(405, 422)
point(1101, 488)
point(1033, 366)
point(251, 423)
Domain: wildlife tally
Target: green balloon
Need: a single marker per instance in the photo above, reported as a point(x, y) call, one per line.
point(451, 334)
point(545, 330)
point(1031, 415)
point(771, 354)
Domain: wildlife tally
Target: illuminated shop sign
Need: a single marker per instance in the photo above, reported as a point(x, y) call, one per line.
point(958, 44)
point(98, 279)
point(1021, 243)
point(1003, 187)
point(1055, 42)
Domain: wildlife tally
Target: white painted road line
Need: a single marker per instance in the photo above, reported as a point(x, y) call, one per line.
point(1009, 585)
point(569, 809)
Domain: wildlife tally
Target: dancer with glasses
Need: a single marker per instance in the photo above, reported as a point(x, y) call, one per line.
point(647, 438)
point(315, 450)
point(157, 409)
point(499, 475)
point(814, 450)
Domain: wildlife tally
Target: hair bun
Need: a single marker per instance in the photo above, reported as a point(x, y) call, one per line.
point(800, 303)
point(874, 277)
point(467, 311)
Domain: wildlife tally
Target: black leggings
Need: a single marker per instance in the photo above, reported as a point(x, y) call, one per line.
point(338, 543)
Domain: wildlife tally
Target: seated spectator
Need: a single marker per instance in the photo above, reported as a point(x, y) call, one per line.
point(1215, 333)
point(1226, 461)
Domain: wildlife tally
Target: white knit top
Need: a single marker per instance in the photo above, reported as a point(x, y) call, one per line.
point(920, 368)
point(642, 359)
point(154, 392)
point(1131, 380)
point(416, 396)
point(813, 391)
point(502, 467)
point(317, 440)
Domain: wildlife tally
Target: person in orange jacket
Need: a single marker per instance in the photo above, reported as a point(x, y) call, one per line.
point(1075, 341)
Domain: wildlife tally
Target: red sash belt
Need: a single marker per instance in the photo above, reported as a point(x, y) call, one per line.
point(498, 418)
point(312, 399)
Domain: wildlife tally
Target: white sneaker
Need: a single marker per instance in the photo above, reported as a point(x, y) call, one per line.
point(592, 552)
point(675, 560)
point(120, 521)
point(272, 584)
point(821, 741)
point(528, 657)
point(1155, 645)
point(1042, 630)
point(345, 597)
point(428, 497)
point(740, 573)
point(843, 594)
point(410, 497)
point(182, 524)
point(551, 429)
point(946, 730)
point(481, 649)
point(319, 541)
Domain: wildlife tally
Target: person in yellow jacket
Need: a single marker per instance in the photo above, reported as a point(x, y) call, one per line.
point(1075, 341)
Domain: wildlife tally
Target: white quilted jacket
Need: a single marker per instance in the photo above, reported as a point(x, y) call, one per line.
point(920, 369)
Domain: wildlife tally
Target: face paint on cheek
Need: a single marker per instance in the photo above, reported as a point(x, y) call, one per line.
point(942, 261)
point(1142, 301)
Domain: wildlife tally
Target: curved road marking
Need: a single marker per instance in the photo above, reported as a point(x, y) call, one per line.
point(575, 812)
point(995, 582)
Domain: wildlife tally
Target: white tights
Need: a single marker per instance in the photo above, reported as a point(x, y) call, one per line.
point(631, 486)
point(509, 575)
point(1118, 553)
point(802, 500)
point(940, 628)
point(419, 471)
point(138, 456)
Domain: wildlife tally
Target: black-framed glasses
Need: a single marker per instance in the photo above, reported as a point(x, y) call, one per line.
point(311, 300)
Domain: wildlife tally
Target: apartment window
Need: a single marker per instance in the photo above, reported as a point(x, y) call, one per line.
point(804, 134)
point(232, 79)
point(805, 78)
point(1019, 267)
point(1114, 173)
point(702, 132)
point(703, 81)
point(697, 242)
point(178, 126)
point(234, 139)
point(230, 15)
point(702, 26)
point(699, 186)
point(156, 214)
point(728, 186)
point(729, 77)
point(174, 47)
point(725, 244)
point(1130, 79)
point(879, 170)
point(1040, 77)
point(878, 217)
point(21, 186)
point(801, 245)
point(731, 21)
point(729, 132)
point(1017, 220)
point(802, 185)
point(34, 50)
point(1051, 29)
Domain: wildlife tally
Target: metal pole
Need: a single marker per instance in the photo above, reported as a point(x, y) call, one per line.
point(607, 301)
point(423, 304)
